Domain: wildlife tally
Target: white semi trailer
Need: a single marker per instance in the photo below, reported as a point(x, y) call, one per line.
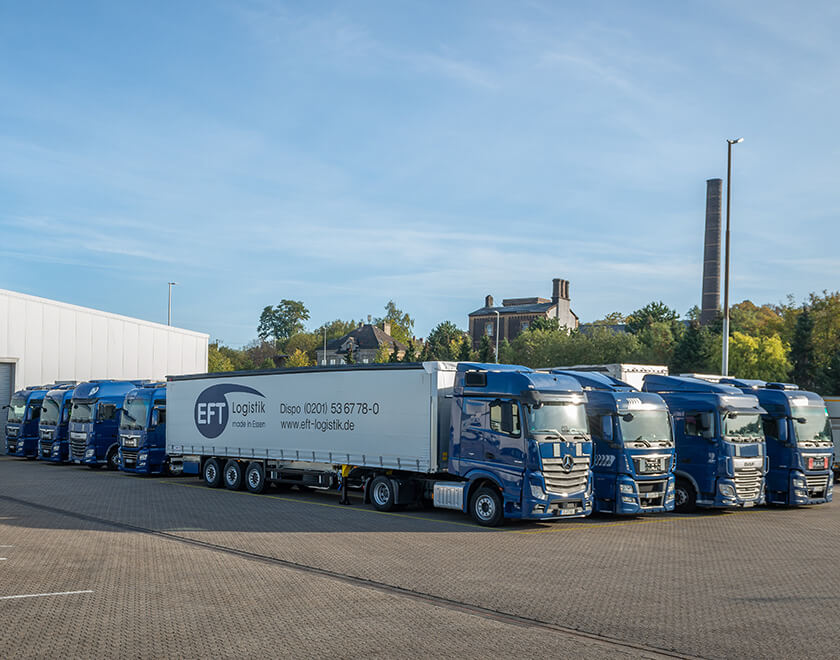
point(832, 405)
point(492, 440)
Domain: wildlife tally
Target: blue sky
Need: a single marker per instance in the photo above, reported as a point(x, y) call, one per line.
point(345, 154)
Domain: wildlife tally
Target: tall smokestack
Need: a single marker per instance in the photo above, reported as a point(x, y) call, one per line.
point(710, 306)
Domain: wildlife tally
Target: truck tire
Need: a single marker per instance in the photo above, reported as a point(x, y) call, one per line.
point(486, 507)
point(255, 478)
point(212, 473)
point(113, 459)
point(172, 470)
point(233, 477)
point(382, 493)
point(685, 497)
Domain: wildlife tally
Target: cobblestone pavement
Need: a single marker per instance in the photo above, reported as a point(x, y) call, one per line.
point(169, 567)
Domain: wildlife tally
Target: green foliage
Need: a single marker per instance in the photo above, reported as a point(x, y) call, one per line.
point(486, 349)
point(546, 348)
point(395, 354)
point(281, 322)
point(411, 354)
point(217, 361)
point(829, 382)
point(335, 329)
point(506, 354)
point(402, 325)
point(545, 324)
point(758, 357)
point(307, 343)
point(350, 357)
point(444, 341)
point(695, 351)
point(613, 318)
point(298, 359)
point(653, 312)
point(383, 354)
point(465, 350)
point(803, 352)
point(658, 340)
point(748, 318)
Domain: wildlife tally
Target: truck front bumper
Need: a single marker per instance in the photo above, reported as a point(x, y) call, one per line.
point(810, 488)
point(632, 497)
point(54, 453)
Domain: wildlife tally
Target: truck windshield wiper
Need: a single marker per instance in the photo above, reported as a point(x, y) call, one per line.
point(641, 439)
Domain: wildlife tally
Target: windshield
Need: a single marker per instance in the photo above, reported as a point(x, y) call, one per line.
point(565, 418)
point(17, 409)
point(815, 428)
point(50, 412)
point(135, 415)
point(742, 428)
point(646, 427)
point(82, 412)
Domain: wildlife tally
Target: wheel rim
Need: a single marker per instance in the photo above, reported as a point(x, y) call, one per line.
point(485, 507)
point(113, 461)
point(680, 496)
point(254, 478)
point(210, 473)
point(382, 493)
point(230, 475)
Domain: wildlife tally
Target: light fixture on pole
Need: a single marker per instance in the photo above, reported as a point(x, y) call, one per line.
point(169, 315)
point(725, 353)
point(497, 335)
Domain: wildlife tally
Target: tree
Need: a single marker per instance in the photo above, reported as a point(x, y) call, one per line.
point(658, 340)
point(829, 383)
point(298, 359)
point(402, 325)
point(486, 350)
point(695, 351)
point(383, 354)
point(395, 355)
point(217, 361)
point(803, 353)
point(613, 318)
point(750, 319)
point(505, 352)
point(653, 312)
point(349, 357)
point(547, 324)
point(465, 351)
point(764, 358)
point(281, 322)
point(444, 341)
point(307, 342)
point(410, 353)
point(260, 355)
point(335, 329)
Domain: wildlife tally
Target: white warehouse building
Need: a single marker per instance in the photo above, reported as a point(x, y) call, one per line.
point(43, 341)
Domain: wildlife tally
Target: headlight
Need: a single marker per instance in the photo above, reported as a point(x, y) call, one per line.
point(627, 488)
point(536, 490)
point(628, 500)
point(89, 453)
point(798, 483)
point(726, 490)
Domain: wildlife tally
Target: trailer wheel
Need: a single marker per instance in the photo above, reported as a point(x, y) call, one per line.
point(382, 495)
point(233, 476)
point(255, 478)
point(685, 498)
point(486, 507)
point(212, 473)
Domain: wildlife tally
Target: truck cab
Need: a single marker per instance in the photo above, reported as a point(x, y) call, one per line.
point(721, 457)
point(54, 425)
point(94, 422)
point(525, 435)
point(143, 432)
point(799, 444)
point(633, 445)
point(22, 422)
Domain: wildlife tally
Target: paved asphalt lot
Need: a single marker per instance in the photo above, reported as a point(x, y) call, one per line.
point(167, 567)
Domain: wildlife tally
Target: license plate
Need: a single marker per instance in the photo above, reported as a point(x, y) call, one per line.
point(817, 463)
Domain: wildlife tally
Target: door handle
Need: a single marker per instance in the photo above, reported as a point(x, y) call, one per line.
point(490, 455)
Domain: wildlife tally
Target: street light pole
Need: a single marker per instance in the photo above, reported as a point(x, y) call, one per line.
point(169, 315)
point(497, 335)
point(725, 353)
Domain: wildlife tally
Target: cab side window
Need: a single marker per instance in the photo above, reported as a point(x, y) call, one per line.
point(107, 412)
point(771, 427)
point(35, 410)
point(504, 418)
point(699, 424)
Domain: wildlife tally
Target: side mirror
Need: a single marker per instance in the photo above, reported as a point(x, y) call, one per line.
point(507, 417)
point(627, 417)
point(155, 417)
point(800, 420)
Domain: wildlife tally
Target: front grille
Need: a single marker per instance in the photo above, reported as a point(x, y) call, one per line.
point(129, 458)
point(557, 480)
point(748, 483)
point(46, 443)
point(78, 443)
point(651, 493)
point(652, 464)
point(12, 431)
point(817, 484)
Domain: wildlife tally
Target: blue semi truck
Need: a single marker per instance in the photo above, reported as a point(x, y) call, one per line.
point(799, 444)
point(719, 438)
point(22, 421)
point(494, 441)
point(94, 422)
point(53, 436)
point(633, 445)
point(143, 432)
